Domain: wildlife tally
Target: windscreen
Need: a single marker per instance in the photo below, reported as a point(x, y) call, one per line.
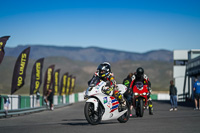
point(139, 84)
point(93, 81)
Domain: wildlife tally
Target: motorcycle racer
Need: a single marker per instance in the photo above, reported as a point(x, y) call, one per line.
point(140, 76)
point(105, 74)
point(128, 94)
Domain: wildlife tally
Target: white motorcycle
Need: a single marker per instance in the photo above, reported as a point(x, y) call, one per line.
point(100, 106)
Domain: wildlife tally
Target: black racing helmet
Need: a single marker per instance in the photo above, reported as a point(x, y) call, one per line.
point(140, 72)
point(104, 69)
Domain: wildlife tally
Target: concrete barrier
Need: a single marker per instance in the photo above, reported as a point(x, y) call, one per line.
point(23, 102)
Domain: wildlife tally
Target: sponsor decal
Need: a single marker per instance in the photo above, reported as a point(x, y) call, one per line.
point(126, 88)
point(126, 83)
point(105, 100)
point(111, 115)
point(109, 103)
point(114, 103)
point(99, 85)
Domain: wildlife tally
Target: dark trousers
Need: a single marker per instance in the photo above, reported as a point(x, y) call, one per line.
point(173, 100)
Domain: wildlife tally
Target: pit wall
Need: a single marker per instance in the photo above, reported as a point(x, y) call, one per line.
point(24, 102)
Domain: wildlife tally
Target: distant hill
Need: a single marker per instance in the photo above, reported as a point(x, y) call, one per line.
point(159, 72)
point(90, 54)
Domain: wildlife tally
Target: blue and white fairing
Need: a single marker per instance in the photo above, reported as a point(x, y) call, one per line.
point(110, 103)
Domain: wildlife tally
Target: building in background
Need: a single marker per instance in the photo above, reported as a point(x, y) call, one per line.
point(179, 70)
point(186, 68)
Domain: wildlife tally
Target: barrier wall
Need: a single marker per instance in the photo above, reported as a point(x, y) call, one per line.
point(23, 102)
point(160, 96)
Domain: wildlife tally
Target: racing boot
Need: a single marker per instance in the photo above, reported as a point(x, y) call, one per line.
point(123, 103)
point(121, 100)
point(150, 107)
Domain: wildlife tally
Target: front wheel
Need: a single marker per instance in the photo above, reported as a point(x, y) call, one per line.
point(141, 108)
point(93, 117)
point(125, 117)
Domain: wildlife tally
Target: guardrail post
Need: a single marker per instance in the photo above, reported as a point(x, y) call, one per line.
point(64, 99)
point(42, 100)
point(33, 101)
point(1, 107)
point(154, 96)
point(76, 97)
point(67, 99)
point(19, 102)
point(11, 102)
point(25, 101)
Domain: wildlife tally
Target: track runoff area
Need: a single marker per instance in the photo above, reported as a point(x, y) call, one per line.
point(71, 119)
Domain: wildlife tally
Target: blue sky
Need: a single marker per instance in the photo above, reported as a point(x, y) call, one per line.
point(128, 25)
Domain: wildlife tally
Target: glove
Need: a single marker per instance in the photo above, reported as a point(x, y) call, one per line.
point(86, 97)
point(150, 90)
point(107, 90)
point(118, 95)
point(129, 90)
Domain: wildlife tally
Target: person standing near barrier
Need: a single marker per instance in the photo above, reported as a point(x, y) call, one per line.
point(50, 98)
point(173, 96)
point(196, 90)
point(6, 104)
point(38, 99)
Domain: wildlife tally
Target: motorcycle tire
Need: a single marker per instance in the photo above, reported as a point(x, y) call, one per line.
point(125, 117)
point(137, 112)
point(141, 108)
point(93, 117)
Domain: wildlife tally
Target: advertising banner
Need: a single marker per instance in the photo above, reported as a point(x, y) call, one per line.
point(63, 84)
point(3, 41)
point(19, 72)
point(36, 76)
point(48, 79)
point(56, 82)
point(68, 85)
point(72, 84)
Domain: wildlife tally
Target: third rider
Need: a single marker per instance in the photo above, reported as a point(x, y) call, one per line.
point(140, 76)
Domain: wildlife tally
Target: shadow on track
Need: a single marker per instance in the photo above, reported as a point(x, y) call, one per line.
point(83, 122)
point(74, 120)
point(189, 104)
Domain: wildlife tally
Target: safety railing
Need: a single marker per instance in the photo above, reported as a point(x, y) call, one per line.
point(183, 97)
point(15, 104)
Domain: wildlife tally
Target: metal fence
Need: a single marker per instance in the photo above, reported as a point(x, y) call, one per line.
point(17, 104)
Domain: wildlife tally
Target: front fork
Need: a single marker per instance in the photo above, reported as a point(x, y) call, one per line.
point(137, 101)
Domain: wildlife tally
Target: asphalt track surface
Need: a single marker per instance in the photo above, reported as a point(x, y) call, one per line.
point(71, 119)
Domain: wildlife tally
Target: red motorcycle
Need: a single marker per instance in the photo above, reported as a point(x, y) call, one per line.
point(140, 93)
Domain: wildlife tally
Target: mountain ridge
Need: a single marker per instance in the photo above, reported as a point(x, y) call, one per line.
point(90, 54)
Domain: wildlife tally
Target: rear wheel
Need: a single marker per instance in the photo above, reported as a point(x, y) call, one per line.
point(93, 117)
point(125, 117)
